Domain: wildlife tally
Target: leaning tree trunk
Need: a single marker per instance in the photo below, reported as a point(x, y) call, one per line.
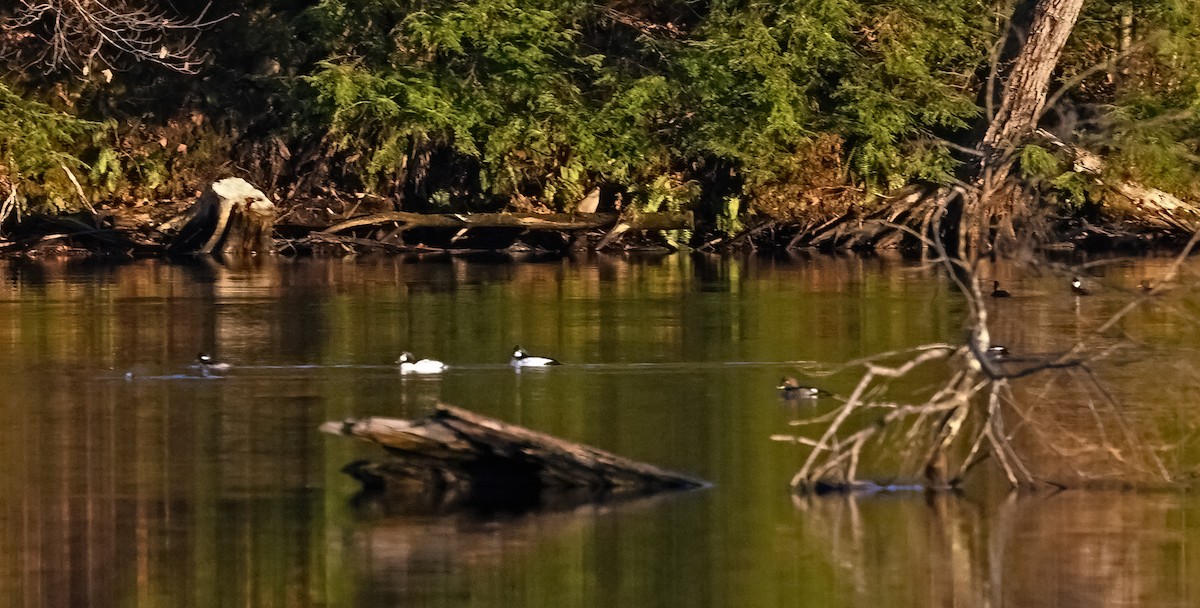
point(1000, 204)
point(999, 207)
point(1027, 84)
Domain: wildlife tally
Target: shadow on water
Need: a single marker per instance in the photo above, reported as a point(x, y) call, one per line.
point(419, 561)
point(489, 502)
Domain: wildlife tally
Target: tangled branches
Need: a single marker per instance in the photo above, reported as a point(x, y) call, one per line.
point(86, 35)
point(986, 407)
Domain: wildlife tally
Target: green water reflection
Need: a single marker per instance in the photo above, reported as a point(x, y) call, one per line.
point(175, 489)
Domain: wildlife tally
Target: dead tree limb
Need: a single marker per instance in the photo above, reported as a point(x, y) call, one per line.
point(84, 34)
point(473, 457)
point(565, 222)
point(967, 419)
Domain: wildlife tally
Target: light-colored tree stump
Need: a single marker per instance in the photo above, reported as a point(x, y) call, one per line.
point(231, 217)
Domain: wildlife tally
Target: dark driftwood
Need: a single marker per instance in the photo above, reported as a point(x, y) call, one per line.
point(465, 457)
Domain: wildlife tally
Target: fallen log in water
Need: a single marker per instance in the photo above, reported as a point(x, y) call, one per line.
point(465, 458)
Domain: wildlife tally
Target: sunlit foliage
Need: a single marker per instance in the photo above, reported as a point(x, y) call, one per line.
point(733, 108)
point(35, 144)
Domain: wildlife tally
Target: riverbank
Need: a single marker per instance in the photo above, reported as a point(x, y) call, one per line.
point(368, 225)
point(775, 126)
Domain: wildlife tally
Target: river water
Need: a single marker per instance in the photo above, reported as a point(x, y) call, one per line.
point(131, 479)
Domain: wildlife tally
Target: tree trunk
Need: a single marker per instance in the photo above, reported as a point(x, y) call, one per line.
point(231, 217)
point(1025, 89)
point(999, 207)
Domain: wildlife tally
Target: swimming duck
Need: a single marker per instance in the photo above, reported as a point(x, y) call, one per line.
point(520, 358)
point(997, 292)
point(411, 365)
point(208, 364)
point(790, 388)
point(1078, 288)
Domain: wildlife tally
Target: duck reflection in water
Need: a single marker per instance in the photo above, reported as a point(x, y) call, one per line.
point(1078, 289)
point(208, 364)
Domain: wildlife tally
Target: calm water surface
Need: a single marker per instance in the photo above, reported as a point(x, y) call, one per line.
point(175, 489)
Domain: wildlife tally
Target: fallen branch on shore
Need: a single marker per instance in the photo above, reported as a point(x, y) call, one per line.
point(563, 222)
point(469, 459)
point(872, 229)
point(233, 217)
point(483, 231)
point(1158, 209)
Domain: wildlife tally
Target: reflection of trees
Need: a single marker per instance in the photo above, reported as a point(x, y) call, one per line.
point(119, 490)
point(154, 491)
point(155, 316)
point(899, 552)
point(154, 494)
point(1068, 549)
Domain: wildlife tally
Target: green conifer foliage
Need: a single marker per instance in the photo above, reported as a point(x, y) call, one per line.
point(1134, 71)
point(35, 150)
point(505, 85)
point(512, 85)
point(765, 79)
point(788, 109)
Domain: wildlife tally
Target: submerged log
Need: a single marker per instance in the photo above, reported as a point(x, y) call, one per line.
point(466, 458)
point(231, 217)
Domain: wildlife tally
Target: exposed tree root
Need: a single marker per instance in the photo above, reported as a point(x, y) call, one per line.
point(1142, 218)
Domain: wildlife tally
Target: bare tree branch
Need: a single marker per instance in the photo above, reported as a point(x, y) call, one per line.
point(84, 35)
point(944, 436)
